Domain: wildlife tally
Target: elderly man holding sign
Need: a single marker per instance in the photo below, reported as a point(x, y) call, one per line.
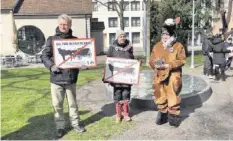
point(63, 81)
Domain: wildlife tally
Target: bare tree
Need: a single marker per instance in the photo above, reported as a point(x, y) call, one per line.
point(226, 20)
point(119, 6)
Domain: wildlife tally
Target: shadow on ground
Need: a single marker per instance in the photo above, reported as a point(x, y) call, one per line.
point(108, 110)
point(187, 106)
point(40, 127)
point(187, 111)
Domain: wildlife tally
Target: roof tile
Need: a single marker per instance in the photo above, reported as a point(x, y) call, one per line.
point(8, 4)
point(44, 7)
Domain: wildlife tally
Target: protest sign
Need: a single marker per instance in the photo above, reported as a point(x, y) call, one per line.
point(74, 53)
point(124, 71)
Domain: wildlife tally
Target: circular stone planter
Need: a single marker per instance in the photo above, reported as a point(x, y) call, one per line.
point(195, 91)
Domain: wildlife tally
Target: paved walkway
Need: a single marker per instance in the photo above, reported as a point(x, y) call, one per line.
point(212, 120)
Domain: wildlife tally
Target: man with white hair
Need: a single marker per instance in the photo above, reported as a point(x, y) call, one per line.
point(63, 81)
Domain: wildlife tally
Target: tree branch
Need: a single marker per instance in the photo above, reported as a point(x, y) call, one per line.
point(127, 4)
point(124, 6)
point(116, 3)
point(117, 6)
point(104, 4)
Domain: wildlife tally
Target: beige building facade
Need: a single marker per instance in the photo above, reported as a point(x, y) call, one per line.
point(7, 34)
point(26, 24)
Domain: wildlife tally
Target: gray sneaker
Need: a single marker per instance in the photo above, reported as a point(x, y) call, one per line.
point(60, 133)
point(79, 129)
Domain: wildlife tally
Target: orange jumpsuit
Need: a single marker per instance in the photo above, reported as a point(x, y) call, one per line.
point(167, 82)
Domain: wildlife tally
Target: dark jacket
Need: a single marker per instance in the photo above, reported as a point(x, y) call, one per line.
point(65, 76)
point(219, 50)
point(206, 46)
point(121, 51)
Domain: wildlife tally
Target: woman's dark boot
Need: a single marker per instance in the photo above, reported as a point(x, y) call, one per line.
point(174, 120)
point(161, 118)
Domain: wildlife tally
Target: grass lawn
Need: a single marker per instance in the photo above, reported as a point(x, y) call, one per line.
point(198, 60)
point(26, 111)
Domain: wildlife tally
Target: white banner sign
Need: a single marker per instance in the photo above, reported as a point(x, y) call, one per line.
point(123, 71)
point(73, 53)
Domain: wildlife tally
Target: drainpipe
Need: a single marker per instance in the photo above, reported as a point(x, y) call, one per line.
point(192, 55)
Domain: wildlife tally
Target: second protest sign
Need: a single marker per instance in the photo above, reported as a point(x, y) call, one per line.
point(123, 71)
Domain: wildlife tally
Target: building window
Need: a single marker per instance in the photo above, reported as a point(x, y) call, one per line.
point(111, 6)
point(112, 22)
point(112, 38)
point(143, 6)
point(127, 35)
point(94, 6)
point(135, 21)
point(31, 39)
point(126, 6)
point(126, 21)
point(135, 37)
point(94, 19)
point(135, 6)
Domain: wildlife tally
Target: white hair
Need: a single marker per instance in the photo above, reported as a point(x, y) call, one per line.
point(66, 18)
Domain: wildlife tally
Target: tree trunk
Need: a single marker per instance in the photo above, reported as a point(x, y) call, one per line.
point(226, 34)
point(217, 7)
point(229, 12)
point(120, 13)
point(122, 21)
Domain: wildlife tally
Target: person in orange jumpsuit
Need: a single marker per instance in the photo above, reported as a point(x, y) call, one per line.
point(167, 58)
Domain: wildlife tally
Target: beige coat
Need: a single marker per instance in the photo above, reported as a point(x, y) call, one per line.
point(167, 82)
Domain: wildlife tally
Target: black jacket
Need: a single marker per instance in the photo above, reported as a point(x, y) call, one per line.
point(219, 50)
point(65, 76)
point(206, 46)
